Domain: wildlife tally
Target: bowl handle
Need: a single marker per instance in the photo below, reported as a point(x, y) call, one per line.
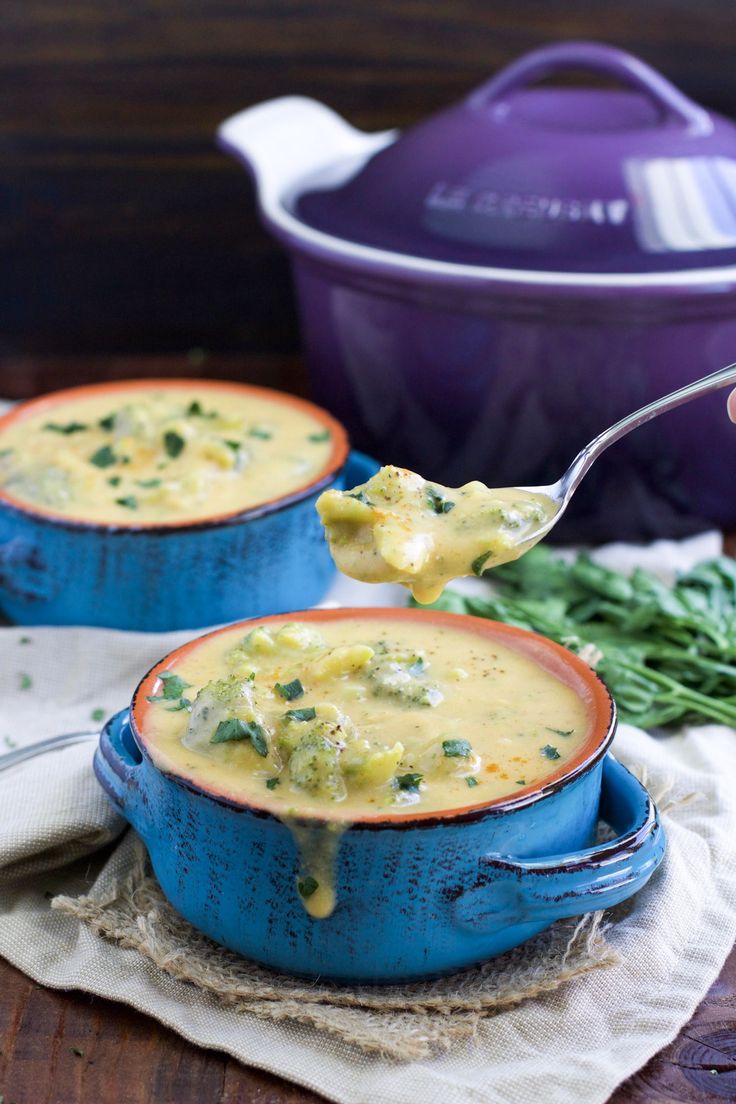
point(529, 891)
point(117, 764)
point(599, 58)
point(359, 467)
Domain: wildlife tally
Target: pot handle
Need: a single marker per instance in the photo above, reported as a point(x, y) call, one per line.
point(284, 140)
point(599, 58)
point(117, 763)
point(529, 891)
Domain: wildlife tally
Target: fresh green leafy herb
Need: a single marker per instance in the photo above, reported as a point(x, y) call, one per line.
point(361, 496)
point(234, 445)
point(8, 742)
point(319, 437)
point(456, 749)
point(236, 729)
point(272, 783)
point(97, 714)
point(25, 640)
point(479, 563)
point(521, 781)
point(438, 502)
point(561, 731)
point(69, 428)
point(130, 502)
point(183, 703)
point(290, 690)
point(471, 781)
point(550, 752)
point(173, 686)
point(104, 457)
point(173, 443)
point(148, 483)
point(308, 713)
point(114, 481)
point(25, 682)
point(194, 410)
point(260, 433)
point(409, 782)
point(107, 423)
point(5, 452)
point(307, 886)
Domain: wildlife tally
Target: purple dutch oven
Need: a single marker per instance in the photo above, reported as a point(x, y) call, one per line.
point(484, 293)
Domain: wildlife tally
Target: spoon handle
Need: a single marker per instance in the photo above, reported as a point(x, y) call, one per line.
point(592, 451)
point(10, 758)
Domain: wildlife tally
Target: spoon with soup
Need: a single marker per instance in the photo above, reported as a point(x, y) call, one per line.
point(401, 528)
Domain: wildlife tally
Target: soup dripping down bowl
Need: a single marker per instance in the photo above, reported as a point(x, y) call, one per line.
point(57, 569)
point(417, 893)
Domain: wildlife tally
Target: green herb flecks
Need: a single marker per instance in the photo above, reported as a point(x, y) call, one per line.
point(104, 457)
point(272, 783)
point(479, 563)
point(196, 410)
point(520, 782)
point(307, 886)
point(550, 752)
point(308, 713)
point(25, 640)
point(317, 438)
point(173, 687)
point(173, 443)
point(291, 690)
point(234, 445)
point(183, 703)
point(456, 749)
point(130, 502)
point(260, 433)
point(148, 484)
point(107, 423)
point(25, 682)
point(98, 714)
point(114, 481)
point(437, 502)
point(361, 496)
point(236, 729)
point(666, 653)
point(409, 782)
point(561, 731)
point(68, 429)
point(471, 781)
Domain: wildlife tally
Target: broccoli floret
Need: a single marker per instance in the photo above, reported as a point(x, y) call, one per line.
point(401, 675)
point(314, 765)
point(221, 700)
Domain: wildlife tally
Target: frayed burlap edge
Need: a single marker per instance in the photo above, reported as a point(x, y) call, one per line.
point(404, 1023)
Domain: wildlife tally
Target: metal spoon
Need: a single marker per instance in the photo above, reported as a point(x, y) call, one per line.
point(562, 491)
point(10, 758)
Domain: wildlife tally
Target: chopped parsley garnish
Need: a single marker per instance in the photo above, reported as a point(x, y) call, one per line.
point(272, 783)
point(438, 502)
point(521, 781)
point(5, 452)
point(114, 481)
point(183, 703)
point(174, 686)
point(69, 428)
point(479, 563)
point(25, 682)
point(130, 502)
point(456, 749)
point(107, 423)
point(471, 781)
point(261, 434)
point(97, 715)
point(361, 496)
point(173, 443)
point(25, 640)
point(146, 483)
point(194, 410)
point(550, 752)
point(561, 731)
point(307, 886)
point(409, 782)
point(319, 437)
point(103, 458)
point(235, 729)
point(234, 445)
point(308, 713)
point(290, 690)
point(9, 743)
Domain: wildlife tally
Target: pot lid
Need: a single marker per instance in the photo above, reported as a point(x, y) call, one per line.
point(550, 179)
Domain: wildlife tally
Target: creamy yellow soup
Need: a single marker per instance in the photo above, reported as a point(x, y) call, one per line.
point(146, 454)
point(400, 528)
point(360, 718)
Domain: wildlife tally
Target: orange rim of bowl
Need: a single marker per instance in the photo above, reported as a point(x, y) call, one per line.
point(552, 657)
point(53, 399)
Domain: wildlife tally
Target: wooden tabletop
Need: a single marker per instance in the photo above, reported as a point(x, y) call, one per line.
point(73, 1048)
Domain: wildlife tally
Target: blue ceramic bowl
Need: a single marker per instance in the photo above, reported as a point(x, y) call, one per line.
point(418, 894)
point(269, 558)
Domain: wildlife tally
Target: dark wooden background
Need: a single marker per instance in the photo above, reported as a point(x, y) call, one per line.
point(124, 230)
